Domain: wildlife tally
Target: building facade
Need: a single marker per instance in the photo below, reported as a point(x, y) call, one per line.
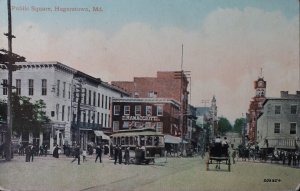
point(167, 84)
point(136, 113)
point(255, 108)
point(58, 86)
point(278, 124)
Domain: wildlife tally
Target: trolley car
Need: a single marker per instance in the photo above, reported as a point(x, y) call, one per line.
point(147, 144)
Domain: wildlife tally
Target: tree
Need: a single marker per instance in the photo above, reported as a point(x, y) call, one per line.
point(27, 116)
point(3, 110)
point(238, 125)
point(224, 125)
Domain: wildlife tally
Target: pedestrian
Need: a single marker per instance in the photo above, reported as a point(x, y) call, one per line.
point(99, 153)
point(41, 151)
point(126, 155)
point(120, 155)
point(77, 154)
point(27, 153)
point(32, 152)
point(233, 156)
point(116, 154)
point(83, 155)
point(55, 152)
point(45, 150)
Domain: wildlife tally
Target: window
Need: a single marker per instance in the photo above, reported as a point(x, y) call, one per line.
point(84, 97)
point(117, 110)
point(159, 127)
point(30, 87)
point(148, 124)
point(94, 99)
point(63, 113)
point(69, 92)
point(18, 86)
point(98, 118)
point(126, 124)
point(102, 101)
point(69, 113)
point(102, 119)
point(138, 110)
point(293, 109)
point(126, 110)
point(115, 125)
point(152, 94)
point(89, 116)
point(44, 87)
point(58, 84)
point(109, 102)
point(94, 116)
point(90, 97)
point(4, 82)
point(84, 116)
point(277, 109)
point(277, 128)
point(105, 120)
point(148, 110)
point(74, 94)
point(105, 102)
point(293, 127)
point(57, 110)
point(159, 110)
point(98, 100)
point(64, 89)
point(138, 124)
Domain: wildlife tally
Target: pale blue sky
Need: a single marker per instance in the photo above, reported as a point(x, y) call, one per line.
point(156, 13)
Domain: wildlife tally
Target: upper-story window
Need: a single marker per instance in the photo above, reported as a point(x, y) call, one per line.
point(138, 110)
point(69, 92)
point(58, 88)
point(4, 82)
point(44, 87)
point(84, 95)
point(94, 99)
point(98, 99)
point(30, 87)
point(105, 102)
point(18, 86)
point(90, 97)
point(126, 110)
point(152, 94)
point(277, 109)
point(109, 103)
point(117, 110)
point(64, 89)
point(276, 127)
point(293, 109)
point(293, 128)
point(148, 110)
point(159, 110)
point(102, 101)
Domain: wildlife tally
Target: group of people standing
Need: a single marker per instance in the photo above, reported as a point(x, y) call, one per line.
point(118, 155)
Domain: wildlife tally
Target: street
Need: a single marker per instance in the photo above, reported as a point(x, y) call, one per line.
point(47, 173)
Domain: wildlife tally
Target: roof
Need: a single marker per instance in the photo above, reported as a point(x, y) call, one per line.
point(147, 100)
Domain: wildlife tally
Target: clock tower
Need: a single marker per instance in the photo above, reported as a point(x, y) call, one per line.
point(256, 107)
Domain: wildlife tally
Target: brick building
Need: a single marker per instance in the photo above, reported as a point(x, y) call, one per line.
point(167, 84)
point(136, 113)
point(255, 108)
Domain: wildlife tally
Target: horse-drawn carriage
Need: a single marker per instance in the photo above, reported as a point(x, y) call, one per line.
point(218, 154)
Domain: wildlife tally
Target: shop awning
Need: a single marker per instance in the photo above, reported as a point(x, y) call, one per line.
point(174, 140)
point(101, 134)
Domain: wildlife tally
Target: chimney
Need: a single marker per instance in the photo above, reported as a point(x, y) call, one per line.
point(284, 94)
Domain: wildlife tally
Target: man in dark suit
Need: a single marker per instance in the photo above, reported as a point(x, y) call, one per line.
point(77, 154)
point(98, 153)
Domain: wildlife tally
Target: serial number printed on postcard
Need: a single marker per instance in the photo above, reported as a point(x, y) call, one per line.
point(57, 9)
point(272, 180)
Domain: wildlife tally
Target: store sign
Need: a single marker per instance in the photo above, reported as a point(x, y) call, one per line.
point(139, 118)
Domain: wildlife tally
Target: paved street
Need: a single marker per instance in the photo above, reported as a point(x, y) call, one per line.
point(47, 173)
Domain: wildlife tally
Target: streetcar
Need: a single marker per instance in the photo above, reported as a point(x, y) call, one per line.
point(145, 144)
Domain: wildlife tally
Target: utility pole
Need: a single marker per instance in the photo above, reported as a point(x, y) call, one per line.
point(9, 83)
point(183, 76)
